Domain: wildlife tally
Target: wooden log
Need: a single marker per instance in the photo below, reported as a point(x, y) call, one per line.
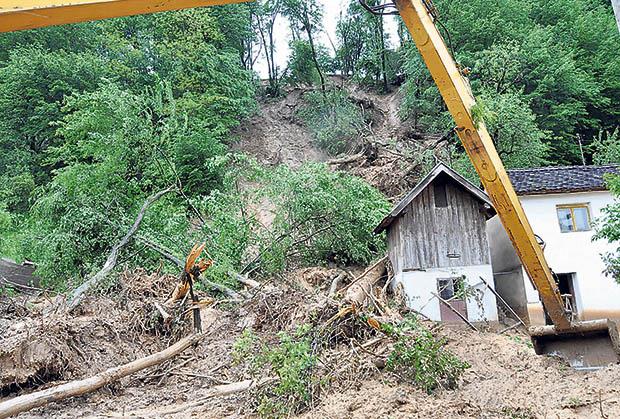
point(499, 297)
point(514, 326)
point(77, 388)
point(370, 268)
point(447, 304)
point(245, 280)
point(334, 285)
point(362, 288)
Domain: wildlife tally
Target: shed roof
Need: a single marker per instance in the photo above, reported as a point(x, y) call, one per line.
point(438, 170)
point(558, 179)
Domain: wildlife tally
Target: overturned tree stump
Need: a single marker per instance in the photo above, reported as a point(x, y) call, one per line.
point(358, 290)
point(77, 388)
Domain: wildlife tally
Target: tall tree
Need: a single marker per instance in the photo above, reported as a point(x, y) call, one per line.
point(264, 16)
point(363, 50)
point(306, 16)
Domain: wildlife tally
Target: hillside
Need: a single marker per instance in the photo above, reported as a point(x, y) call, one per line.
point(388, 154)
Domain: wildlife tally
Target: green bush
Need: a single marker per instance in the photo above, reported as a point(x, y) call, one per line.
point(420, 358)
point(291, 361)
point(608, 228)
point(334, 120)
point(322, 216)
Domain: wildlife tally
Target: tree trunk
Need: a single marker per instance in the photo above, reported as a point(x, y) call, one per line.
point(383, 55)
point(77, 388)
point(308, 26)
point(357, 292)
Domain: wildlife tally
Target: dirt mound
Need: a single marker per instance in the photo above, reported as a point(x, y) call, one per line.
point(506, 379)
point(105, 332)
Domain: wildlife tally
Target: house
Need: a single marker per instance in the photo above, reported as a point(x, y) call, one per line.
point(437, 245)
point(561, 204)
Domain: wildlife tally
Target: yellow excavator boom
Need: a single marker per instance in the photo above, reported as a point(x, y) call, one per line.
point(17, 15)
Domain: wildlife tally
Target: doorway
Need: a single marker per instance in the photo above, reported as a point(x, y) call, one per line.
point(566, 284)
point(452, 291)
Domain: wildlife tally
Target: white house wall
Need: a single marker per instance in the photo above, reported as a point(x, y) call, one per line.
point(419, 286)
point(597, 296)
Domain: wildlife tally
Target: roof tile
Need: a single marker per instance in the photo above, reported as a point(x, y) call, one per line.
point(557, 179)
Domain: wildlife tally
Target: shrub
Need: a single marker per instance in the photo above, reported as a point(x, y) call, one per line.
point(422, 359)
point(334, 120)
point(322, 216)
point(608, 228)
point(291, 361)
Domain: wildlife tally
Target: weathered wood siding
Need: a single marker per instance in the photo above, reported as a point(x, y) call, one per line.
point(423, 236)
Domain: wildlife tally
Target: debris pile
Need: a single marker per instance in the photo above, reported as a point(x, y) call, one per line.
point(301, 346)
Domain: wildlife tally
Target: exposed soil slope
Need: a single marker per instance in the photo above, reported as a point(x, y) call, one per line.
point(388, 156)
point(275, 136)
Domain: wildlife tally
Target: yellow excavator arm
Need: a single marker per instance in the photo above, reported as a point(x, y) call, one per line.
point(418, 16)
point(17, 15)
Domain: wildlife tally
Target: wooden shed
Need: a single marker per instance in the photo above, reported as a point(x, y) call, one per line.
point(438, 246)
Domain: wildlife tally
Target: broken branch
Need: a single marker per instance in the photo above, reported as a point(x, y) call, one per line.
point(78, 294)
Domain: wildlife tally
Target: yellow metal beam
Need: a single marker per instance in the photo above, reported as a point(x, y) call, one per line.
point(458, 97)
point(17, 15)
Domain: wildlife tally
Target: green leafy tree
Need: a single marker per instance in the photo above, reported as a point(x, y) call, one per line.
point(264, 16)
point(548, 53)
point(363, 46)
point(305, 16)
point(606, 147)
point(323, 216)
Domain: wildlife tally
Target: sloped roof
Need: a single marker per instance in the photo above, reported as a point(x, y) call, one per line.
point(439, 169)
point(544, 180)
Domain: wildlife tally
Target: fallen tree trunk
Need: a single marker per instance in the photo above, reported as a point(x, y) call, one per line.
point(77, 388)
point(78, 295)
point(361, 287)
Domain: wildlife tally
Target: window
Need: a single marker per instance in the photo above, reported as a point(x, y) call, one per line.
point(450, 287)
point(574, 217)
point(441, 195)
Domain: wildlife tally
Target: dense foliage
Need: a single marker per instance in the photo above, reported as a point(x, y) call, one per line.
point(292, 360)
point(548, 69)
point(419, 357)
point(95, 119)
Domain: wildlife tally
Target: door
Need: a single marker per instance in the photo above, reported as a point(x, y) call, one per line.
point(451, 290)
